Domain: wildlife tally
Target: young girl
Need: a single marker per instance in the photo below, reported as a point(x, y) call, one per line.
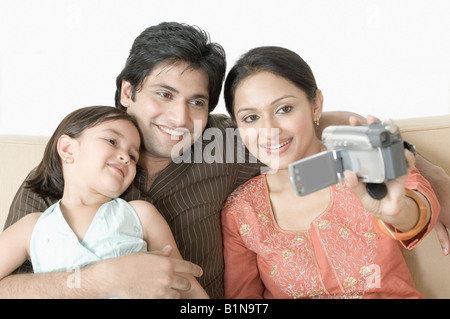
point(335, 243)
point(89, 161)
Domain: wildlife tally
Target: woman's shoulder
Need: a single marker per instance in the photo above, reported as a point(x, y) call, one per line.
point(252, 190)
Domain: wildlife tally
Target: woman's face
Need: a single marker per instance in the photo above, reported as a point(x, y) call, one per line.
point(276, 119)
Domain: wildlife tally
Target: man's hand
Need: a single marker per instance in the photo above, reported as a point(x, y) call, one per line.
point(136, 275)
point(149, 275)
point(440, 182)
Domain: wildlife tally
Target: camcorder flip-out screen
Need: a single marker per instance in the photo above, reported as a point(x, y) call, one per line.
point(375, 153)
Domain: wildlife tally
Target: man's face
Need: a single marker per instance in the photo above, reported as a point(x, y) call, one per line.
point(171, 99)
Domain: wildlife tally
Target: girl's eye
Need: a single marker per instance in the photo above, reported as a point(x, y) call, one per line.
point(284, 109)
point(250, 118)
point(111, 141)
point(133, 158)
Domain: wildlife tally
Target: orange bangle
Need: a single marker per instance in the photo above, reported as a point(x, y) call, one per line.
point(423, 219)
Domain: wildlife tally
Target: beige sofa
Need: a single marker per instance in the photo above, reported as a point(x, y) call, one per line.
point(431, 135)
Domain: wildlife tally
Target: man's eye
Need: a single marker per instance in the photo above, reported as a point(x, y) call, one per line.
point(200, 103)
point(164, 94)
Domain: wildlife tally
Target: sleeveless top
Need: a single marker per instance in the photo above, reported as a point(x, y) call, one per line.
point(189, 195)
point(114, 231)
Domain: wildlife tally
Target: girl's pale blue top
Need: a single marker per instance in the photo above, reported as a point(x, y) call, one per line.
point(114, 231)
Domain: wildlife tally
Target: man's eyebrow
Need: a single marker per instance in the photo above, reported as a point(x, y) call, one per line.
point(167, 87)
point(200, 96)
point(174, 90)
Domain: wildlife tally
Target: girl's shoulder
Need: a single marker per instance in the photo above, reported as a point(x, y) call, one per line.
point(142, 206)
point(29, 220)
point(147, 212)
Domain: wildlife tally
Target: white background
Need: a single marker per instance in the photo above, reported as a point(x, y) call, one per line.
point(387, 58)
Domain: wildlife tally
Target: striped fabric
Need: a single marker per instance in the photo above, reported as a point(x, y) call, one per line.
point(190, 196)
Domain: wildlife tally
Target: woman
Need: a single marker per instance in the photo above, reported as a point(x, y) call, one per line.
point(331, 243)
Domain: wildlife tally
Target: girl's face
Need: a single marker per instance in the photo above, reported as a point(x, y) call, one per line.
point(276, 119)
point(105, 157)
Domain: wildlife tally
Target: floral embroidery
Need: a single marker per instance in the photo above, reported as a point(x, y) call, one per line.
point(343, 236)
point(323, 224)
point(365, 271)
point(370, 235)
point(287, 253)
point(344, 232)
point(263, 218)
point(244, 229)
point(348, 240)
point(349, 282)
point(299, 239)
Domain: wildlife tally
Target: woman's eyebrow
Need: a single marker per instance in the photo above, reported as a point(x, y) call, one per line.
point(272, 103)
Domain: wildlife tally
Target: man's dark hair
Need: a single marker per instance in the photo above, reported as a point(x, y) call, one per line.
point(171, 43)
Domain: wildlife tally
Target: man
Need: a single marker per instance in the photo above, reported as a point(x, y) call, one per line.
point(170, 83)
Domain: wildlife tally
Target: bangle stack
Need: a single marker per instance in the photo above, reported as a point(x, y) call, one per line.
point(423, 220)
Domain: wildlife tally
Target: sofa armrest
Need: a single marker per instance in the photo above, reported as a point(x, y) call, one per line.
point(428, 266)
point(18, 156)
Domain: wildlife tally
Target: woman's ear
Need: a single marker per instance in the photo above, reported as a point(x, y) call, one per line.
point(65, 148)
point(317, 106)
point(126, 93)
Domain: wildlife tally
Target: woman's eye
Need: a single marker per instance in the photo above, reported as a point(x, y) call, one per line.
point(250, 118)
point(284, 109)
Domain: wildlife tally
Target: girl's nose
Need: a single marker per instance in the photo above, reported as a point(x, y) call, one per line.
point(124, 158)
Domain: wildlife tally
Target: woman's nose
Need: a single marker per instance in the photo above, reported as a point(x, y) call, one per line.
point(271, 129)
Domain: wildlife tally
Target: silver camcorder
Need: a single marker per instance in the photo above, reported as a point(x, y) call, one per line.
point(374, 152)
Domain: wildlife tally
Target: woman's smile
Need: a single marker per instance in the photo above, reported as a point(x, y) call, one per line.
point(277, 147)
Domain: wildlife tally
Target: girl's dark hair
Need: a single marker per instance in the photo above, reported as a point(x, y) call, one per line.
point(277, 60)
point(172, 42)
point(47, 179)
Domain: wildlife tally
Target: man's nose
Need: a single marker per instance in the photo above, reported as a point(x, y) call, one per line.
point(178, 113)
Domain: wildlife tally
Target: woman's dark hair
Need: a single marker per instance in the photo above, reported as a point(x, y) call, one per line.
point(48, 180)
point(276, 60)
point(171, 43)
